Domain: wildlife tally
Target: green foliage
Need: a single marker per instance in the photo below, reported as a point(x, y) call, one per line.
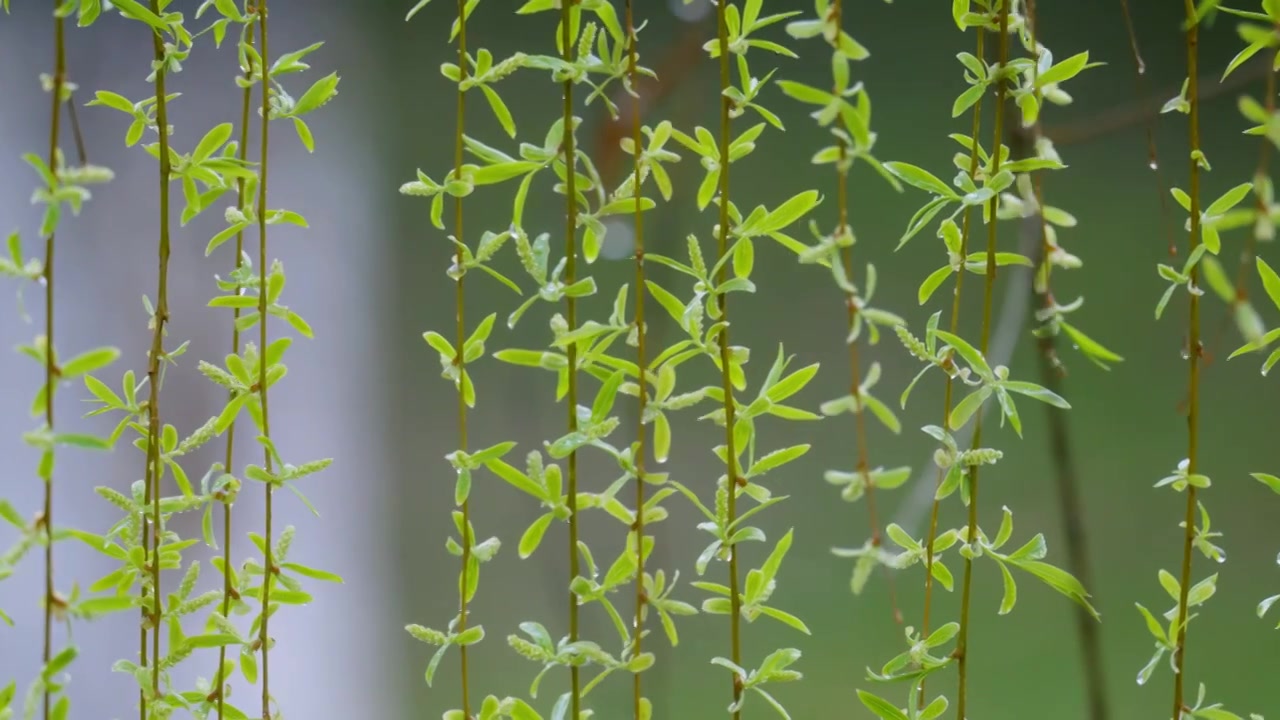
point(1204, 227)
point(141, 543)
point(1000, 187)
point(601, 352)
point(1262, 219)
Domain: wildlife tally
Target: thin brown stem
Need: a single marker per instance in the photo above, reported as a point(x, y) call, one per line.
point(1051, 375)
point(50, 360)
point(461, 337)
point(1143, 110)
point(81, 152)
point(1037, 179)
point(145, 620)
point(633, 74)
point(567, 10)
point(243, 150)
point(949, 391)
point(962, 641)
point(155, 357)
point(863, 467)
point(733, 478)
point(647, 92)
point(1149, 123)
point(1072, 511)
point(1194, 355)
point(269, 566)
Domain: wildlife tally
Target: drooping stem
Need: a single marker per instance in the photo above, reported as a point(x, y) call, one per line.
point(143, 635)
point(1113, 120)
point(647, 91)
point(641, 358)
point(50, 367)
point(1193, 353)
point(863, 468)
point(1072, 510)
point(459, 360)
point(269, 567)
point(567, 10)
point(1048, 344)
point(243, 150)
point(154, 357)
point(1149, 121)
point(76, 135)
point(1063, 457)
point(962, 641)
point(948, 392)
point(733, 479)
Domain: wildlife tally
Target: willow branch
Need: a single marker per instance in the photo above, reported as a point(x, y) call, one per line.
point(243, 155)
point(1194, 353)
point(948, 393)
point(962, 641)
point(155, 357)
point(571, 310)
point(732, 476)
point(637, 694)
point(269, 566)
point(50, 359)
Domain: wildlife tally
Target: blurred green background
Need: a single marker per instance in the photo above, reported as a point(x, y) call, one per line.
point(371, 278)
point(1125, 424)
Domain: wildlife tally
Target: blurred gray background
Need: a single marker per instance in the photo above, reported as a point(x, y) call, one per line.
point(369, 275)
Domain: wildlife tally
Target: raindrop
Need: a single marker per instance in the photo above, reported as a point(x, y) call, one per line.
point(1153, 164)
point(1142, 67)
